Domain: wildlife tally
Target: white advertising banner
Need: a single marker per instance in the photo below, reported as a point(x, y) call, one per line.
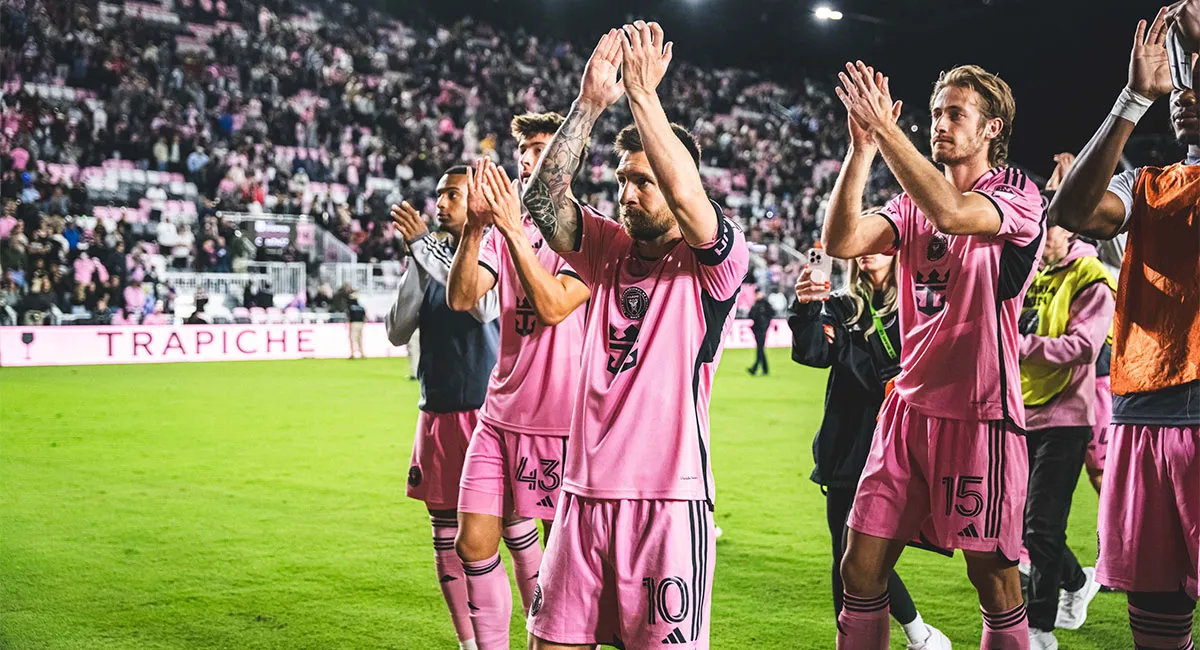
point(91, 345)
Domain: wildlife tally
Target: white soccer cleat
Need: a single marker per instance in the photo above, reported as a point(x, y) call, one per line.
point(935, 641)
point(1073, 605)
point(1042, 640)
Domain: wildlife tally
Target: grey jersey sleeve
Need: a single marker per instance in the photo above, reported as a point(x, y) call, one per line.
point(1122, 185)
point(403, 317)
point(434, 259)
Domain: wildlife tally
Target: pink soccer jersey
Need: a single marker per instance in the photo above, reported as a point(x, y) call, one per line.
point(655, 331)
point(532, 386)
point(960, 296)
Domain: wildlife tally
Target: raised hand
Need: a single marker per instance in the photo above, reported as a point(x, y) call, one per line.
point(600, 87)
point(809, 291)
point(504, 200)
point(479, 214)
point(645, 56)
point(409, 222)
point(1063, 164)
point(868, 100)
point(1149, 66)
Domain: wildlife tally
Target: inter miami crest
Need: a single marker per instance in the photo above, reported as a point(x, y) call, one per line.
point(414, 476)
point(634, 303)
point(931, 292)
point(937, 247)
point(525, 317)
point(536, 605)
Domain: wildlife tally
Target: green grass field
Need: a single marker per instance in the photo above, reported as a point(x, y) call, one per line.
point(261, 505)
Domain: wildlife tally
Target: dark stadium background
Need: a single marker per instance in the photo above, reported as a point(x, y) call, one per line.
point(1065, 59)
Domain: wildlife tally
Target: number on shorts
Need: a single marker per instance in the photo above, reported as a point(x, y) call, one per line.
point(531, 478)
point(551, 480)
point(964, 492)
point(656, 594)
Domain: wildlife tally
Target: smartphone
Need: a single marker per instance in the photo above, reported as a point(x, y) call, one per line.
point(821, 266)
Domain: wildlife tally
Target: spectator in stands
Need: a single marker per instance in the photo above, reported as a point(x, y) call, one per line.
point(10, 298)
point(264, 298)
point(135, 299)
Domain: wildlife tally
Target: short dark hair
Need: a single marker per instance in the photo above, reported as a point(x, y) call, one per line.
point(527, 125)
point(457, 169)
point(629, 140)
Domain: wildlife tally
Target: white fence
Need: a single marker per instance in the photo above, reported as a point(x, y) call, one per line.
point(286, 278)
point(382, 278)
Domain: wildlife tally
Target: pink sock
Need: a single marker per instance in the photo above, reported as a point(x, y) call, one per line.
point(1152, 630)
point(864, 623)
point(450, 575)
point(522, 541)
point(491, 602)
point(1005, 630)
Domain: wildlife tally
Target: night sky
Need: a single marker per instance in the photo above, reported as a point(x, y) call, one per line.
point(1066, 60)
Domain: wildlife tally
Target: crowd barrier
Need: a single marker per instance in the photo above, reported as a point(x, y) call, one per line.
point(121, 344)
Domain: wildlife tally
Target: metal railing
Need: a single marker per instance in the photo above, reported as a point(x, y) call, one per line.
point(286, 278)
point(383, 277)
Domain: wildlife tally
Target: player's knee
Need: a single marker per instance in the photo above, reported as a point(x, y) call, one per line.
point(861, 577)
point(472, 546)
point(998, 585)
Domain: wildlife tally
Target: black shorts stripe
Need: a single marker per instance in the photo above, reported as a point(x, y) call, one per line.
point(991, 512)
point(703, 514)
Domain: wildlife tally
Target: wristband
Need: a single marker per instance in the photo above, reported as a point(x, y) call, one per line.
point(1131, 106)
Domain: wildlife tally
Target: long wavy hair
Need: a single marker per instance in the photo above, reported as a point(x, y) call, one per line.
point(860, 290)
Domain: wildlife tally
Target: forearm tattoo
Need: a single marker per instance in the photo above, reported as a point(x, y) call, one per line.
point(548, 196)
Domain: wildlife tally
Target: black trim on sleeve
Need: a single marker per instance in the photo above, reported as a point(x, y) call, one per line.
point(571, 274)
point(722, 244)
point(490, 269)
point(994, 205)
point(895, 230)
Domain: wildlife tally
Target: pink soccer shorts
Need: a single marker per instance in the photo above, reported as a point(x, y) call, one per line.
point(627, 573)
point(439, 450)
point(946, 483)
point(1098, 448)
point(510, 473)
point(1150, 509)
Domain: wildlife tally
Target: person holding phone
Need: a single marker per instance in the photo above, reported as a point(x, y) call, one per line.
point(855, 333)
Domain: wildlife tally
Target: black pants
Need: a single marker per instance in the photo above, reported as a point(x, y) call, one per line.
point(1055, 460)
point(837, 511)
point(760, 341)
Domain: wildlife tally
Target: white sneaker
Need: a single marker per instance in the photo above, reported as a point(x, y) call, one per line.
point(1073, 605)
point(935, 641)
point(1024, 568)
point(1042, 640)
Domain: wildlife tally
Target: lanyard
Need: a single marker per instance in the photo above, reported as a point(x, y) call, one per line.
point(881, 330)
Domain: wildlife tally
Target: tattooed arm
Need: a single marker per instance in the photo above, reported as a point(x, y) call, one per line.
point(548, 195)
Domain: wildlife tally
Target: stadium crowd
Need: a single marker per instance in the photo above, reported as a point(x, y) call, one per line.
point(124, 133)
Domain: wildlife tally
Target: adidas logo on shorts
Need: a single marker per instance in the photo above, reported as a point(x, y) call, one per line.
point(674, 638)
point(545, 503)
point(969, 531)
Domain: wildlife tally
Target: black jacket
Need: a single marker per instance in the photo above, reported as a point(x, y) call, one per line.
point(859, 369)
point(760, 316)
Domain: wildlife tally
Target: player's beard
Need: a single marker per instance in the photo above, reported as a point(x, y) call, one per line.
point(961, 151)
point(643, 226)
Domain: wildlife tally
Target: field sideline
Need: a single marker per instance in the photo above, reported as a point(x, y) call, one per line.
point(261, 505)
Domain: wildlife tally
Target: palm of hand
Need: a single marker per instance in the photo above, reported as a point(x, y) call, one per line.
point(600, 81)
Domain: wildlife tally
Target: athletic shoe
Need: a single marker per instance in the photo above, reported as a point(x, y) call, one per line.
point(1073, 605)
point(717, 532)
point(935, 641)
point(1042, 640)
